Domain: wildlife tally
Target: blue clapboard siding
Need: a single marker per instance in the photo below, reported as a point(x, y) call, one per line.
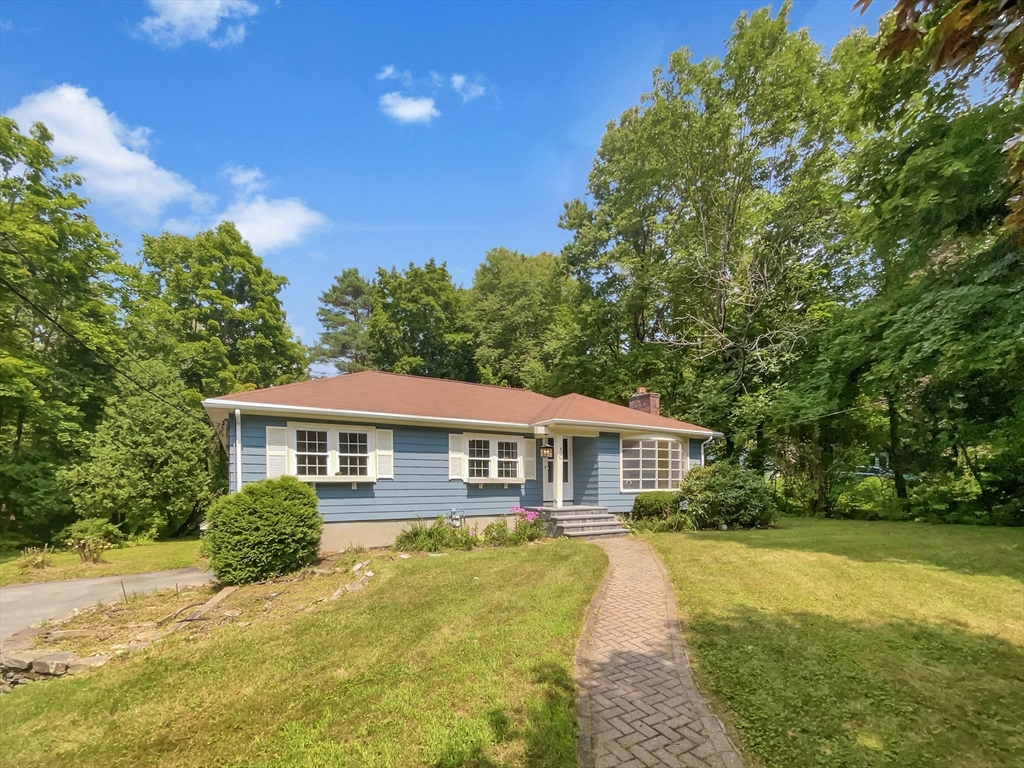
point(695, 452)
point(420, 488)
point(584, 470)
point(607, 474)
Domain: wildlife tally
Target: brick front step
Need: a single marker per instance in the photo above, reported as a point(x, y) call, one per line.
point(581, 522)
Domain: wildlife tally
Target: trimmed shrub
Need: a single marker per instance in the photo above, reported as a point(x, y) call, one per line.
point(654, 504)
point(91, 537)
point(725, 494)
point(268, 529)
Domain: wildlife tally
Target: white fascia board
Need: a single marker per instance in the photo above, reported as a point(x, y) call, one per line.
point(554, 423)
point(384, 418)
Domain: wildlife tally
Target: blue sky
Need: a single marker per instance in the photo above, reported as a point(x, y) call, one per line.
point(348, 134)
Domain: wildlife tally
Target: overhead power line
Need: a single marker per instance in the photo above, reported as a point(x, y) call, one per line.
point(57, 324)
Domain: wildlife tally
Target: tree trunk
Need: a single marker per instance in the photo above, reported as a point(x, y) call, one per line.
point(896, 453)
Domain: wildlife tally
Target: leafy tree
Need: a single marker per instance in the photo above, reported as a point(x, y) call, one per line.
point(714, 247)
point(965, 37)
point(344, 314)
point(209, 306)
point(150, 468)
point(418, 324)
point(514, 305)
point(56, 269)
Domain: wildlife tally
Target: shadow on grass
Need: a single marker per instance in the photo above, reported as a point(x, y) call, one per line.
point(549, 729)
point(968, 549)
point(812, 690)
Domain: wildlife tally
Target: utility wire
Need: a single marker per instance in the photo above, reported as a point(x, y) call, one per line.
point(43, 313)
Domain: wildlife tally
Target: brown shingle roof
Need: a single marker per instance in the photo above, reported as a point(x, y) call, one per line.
point(377, 392)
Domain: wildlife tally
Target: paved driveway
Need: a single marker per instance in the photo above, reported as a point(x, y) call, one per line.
point(22, 605)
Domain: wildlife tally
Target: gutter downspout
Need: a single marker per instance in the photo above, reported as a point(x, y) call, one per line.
point(238, 449)
point(702, 463)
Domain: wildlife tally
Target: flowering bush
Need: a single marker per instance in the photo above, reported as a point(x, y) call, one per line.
point(529, 526)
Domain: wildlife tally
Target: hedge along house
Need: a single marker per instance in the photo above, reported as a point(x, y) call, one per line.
point(383, 449)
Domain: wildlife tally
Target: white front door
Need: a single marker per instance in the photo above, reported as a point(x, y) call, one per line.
point(549, 472)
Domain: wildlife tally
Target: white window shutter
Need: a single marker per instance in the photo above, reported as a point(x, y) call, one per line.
point(530, 459)
point(277, 451)
point(456, 457)
point(385, 454)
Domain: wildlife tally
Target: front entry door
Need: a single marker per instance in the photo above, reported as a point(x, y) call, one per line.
point(549, 472)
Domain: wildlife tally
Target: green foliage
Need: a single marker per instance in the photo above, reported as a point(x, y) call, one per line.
point(514, 308)
point(150, 467)
point(658, 512)
point(209, 306)
point(692, 261)
point(52, 389)
point(726, 494)
point(654, 504)
point(268, 529)
point(870, 498)
point(441, 534)
point(418, 324)
point(344, 313)
point(437, 537)
point(90, 538)
point(673, 522)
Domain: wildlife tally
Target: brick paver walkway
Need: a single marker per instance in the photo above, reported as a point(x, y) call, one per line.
point(639, 705)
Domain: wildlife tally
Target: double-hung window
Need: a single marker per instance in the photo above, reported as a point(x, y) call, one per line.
point(331, 453)
point(489, 458)
point(650, 464)
point(312, 454)
point(353, 454)
point(479, 458)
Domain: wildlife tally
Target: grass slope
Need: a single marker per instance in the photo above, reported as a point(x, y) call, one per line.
point(839, 643)
point(461, 660)
point(160, 556)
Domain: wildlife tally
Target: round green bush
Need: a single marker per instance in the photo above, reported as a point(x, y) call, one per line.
point(654, 504)
point(726, 494)
point(268, 529)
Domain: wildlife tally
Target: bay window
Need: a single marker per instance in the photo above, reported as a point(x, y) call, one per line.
point(650, 464)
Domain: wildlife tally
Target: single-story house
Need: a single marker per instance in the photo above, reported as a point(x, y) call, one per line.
point(382, 449)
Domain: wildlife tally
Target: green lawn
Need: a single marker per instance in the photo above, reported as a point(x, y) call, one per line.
point(843, 643)
point(160, 556)
point(460, 660)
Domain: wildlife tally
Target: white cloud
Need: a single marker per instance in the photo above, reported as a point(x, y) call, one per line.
point(408, 109)
point(111, 156)
point(390, 73)
point(176, 22)
point(112, 159)
point(248, 180)
point(467, 90)
point(436, 79)
point(273, 224)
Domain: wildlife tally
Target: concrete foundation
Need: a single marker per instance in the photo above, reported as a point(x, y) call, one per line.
point(340, 536)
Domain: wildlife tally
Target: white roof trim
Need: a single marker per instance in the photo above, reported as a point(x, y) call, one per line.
point(277, 409)
point(274, 408)
point(631, 427)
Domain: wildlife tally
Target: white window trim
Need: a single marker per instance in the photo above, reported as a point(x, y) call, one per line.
point(332, 447)
point(684, 445)
point(492, 478)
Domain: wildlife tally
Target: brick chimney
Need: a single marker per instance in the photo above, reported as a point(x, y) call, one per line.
point(648, 402)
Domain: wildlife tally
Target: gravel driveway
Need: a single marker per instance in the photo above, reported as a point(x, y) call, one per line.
point(22, 605)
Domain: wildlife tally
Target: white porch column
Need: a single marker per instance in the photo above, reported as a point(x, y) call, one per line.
point(558, 479)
